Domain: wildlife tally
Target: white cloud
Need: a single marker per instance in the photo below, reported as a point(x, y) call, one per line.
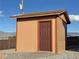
point(74, 17)
point(1, 13)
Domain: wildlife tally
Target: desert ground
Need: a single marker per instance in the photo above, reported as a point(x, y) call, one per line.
point(12, 54)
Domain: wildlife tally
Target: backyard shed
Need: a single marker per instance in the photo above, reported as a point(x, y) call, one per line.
point(42, 31)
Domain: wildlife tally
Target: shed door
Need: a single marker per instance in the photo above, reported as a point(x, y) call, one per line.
point(45, 36)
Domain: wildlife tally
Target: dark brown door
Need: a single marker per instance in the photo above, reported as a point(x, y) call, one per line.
point(45, 36)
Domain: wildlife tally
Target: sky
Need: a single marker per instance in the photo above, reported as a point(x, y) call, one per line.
point(11, 7)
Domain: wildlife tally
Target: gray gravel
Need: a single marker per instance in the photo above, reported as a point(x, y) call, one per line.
point(12, 54)
point(42, 55)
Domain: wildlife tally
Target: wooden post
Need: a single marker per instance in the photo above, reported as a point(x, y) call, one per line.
point(22, 6)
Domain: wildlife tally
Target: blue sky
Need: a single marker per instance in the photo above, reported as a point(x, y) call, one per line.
point(11, 7)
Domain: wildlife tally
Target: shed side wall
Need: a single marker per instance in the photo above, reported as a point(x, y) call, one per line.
point(61, 34)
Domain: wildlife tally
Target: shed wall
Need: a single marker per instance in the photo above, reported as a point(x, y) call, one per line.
point(61, 34)
point(29, 29)
point(27, 36)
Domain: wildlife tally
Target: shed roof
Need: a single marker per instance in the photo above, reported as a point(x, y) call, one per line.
point(40, 14)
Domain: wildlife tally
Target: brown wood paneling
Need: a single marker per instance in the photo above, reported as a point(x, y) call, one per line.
point(56, 36)
point(7, 44)
point(45, 36)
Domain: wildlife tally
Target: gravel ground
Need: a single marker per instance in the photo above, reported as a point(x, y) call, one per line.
point(11, 54)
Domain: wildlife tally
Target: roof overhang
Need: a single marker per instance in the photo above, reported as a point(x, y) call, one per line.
point(42, 14)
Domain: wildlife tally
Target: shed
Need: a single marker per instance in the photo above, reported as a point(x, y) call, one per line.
point(42, 31)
